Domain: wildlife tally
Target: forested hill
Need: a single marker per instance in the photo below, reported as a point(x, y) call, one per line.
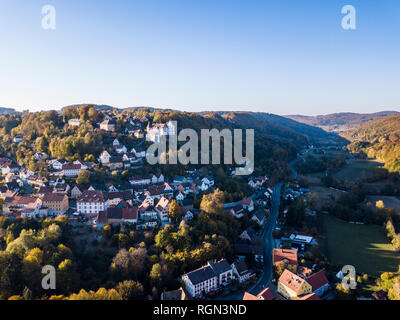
point(379, 139)
point(4, 111)
point(340, 122)
point(273, 125)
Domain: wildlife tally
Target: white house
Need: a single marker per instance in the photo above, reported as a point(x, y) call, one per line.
point(162, 208)
point(180, 196)
point(71, 170)
point(83, 164)
point(121, 149)
point(77, 191)
point(155, 179)
point(158, 130)
point(139, 153)
point(90, 203)
point(40, 156)
point(116, 143)
point(207, 278)
point(18, 139)
point(206, 183)
point(105, 157)
point(58, 163)
point(74, 122)
point(248, 204)
point(25, 174)
point(241, 272)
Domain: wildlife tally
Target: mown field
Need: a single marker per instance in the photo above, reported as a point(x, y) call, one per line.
point(363, 246)
point(356, 168)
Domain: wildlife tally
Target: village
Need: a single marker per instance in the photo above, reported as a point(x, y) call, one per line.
point(144, 204)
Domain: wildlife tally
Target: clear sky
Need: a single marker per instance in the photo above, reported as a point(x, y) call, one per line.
point(280, 56)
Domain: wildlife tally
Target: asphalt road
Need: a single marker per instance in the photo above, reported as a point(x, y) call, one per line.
point(269, 242)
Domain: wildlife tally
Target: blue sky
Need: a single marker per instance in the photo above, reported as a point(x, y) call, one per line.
point(283, 57)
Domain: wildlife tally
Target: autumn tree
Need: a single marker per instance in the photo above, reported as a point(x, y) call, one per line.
point(213, 202)
point(175, 211)
point(130, 290)
point(83, 177)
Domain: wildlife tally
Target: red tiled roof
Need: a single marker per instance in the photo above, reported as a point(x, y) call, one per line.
point(249, 296)
point(92, 196)
point(317, 280)
point(266, 294)
point(282, 254)
point(129, 213)
point(71, 166)
point(54, 197)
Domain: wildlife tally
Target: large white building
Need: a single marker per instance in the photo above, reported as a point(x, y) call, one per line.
point(158, 130)
point(207, 278)
point(71, 170)
point(90, 203)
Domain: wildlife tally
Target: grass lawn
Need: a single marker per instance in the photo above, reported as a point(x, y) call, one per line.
point(363, 246)
point(355, 169)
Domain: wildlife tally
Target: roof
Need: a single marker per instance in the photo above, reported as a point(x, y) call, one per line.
point(266, 294)
point(260, 214)
point(304, 271)
point(108, 121)
point(244, 248)
point(292, 281)
point(116, 159)
point(247, 201)
point(311, 296)
point(162, 204)
point(317, 280)
point(92, 196)
point(117, 214)
point(19, 200)
point(200, 275)
point(285, 254)
point(241, 266)
point(52, 197)
point(220, 266)
point(71, 166)
point(249, 296)
point(126, 194)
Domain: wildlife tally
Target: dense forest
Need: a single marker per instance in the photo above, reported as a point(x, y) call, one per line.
point(379, 139)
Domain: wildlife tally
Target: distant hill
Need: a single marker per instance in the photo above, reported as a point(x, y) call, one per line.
point(278, 126)
point(102, 107)
point(379, 139)
point(340, 122)
point(4, 111)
